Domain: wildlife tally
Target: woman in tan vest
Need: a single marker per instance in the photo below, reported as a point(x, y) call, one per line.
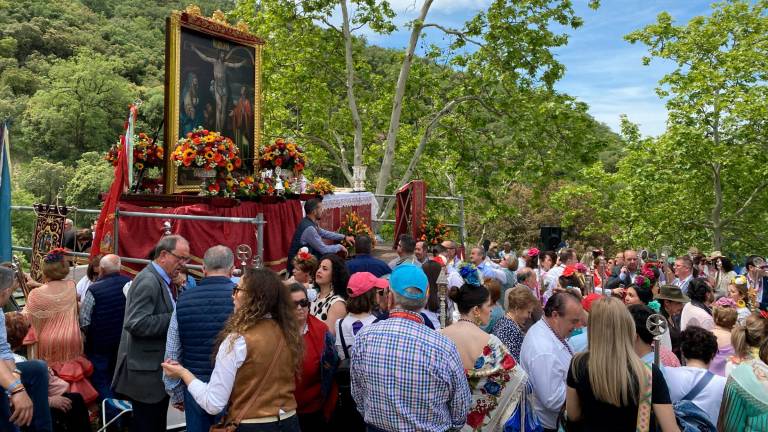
point(259, 354)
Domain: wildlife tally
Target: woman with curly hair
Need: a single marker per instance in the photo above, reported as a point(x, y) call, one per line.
point(331, 284)
point(260, 352)
point(697, 312)
point(738, 291)
point(52, 309)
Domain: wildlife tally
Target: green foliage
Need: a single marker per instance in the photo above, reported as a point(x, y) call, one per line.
point(43, 179)
point(91, 177)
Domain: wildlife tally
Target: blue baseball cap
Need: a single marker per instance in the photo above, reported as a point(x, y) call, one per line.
point(407, 276)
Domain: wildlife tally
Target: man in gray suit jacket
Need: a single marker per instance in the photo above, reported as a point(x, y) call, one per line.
point(148, 308)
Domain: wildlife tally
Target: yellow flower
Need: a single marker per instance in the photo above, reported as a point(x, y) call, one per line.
point(230, 167)
point(210, 139)
point(139, 166)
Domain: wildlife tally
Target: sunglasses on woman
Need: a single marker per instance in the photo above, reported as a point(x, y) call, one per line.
point(302, 303)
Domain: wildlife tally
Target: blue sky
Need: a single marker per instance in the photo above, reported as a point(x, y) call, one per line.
point(602, 69)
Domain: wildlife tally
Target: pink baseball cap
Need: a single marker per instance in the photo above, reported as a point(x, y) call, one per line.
point(362, 282)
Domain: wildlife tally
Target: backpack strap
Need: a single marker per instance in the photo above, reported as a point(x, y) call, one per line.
point(343, 342)
point(645, 406)
point(699, 386)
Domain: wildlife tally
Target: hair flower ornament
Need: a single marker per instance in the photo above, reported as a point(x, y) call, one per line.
point(55, 255)
point(655, 306)
point(532, 252)
point(581, 268)
point(304, 254)
point(740, 280)
point(642, 281)
point(469, 273)
point(726, 302)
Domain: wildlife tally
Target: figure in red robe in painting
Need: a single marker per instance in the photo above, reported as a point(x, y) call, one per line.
point(242, 124)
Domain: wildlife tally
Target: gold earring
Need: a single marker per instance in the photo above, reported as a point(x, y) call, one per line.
point(478, 321)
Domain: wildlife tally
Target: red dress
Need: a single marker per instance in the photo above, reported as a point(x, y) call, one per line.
point(308, 391)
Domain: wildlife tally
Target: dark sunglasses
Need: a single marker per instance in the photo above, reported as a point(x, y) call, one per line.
point(302, 303)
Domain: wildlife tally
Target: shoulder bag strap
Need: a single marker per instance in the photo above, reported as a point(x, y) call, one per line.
point(257, 391)
point(703, 381)
point(644, 405)
point(343, 342)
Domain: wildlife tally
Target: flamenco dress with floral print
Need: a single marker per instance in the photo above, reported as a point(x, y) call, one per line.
point(497, 383)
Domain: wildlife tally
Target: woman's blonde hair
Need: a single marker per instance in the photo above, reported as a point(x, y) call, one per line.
point(520, 298)
point(748, 335)
point(616, 370)
point(725, 316)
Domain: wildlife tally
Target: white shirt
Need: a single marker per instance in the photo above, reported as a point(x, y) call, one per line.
point(351, 326)
point(82, 287)
point(553, 275)
point(681, 380)
point(546, 360)
point(696, 316)
point(213, 396)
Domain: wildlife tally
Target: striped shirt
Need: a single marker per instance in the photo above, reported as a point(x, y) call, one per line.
point(408, 377)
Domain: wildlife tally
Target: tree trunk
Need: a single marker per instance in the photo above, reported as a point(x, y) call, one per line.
point(717, 226)
point(385, 172)
point(349, 60)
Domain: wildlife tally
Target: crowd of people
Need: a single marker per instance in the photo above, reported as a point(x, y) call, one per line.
point(535, 342)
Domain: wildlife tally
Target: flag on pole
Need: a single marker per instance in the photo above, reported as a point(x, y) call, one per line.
point(129, 134)
point(5, 195)
point(103, 241)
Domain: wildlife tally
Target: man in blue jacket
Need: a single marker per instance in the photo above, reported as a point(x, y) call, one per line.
point(199, 317)
point(101, 320)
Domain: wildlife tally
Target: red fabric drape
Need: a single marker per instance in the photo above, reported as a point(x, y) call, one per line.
point(411, 201)
point(332, 218)
point(138, 235)
point(103, 241)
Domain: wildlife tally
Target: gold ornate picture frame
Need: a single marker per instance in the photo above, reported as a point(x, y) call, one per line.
point(212, 80)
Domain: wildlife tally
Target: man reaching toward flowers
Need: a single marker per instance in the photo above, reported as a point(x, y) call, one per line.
point(309, 234)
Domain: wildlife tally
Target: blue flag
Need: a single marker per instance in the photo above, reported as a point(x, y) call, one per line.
point(5, 195)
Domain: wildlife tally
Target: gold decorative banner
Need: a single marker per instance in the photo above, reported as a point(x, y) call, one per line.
point(49, 234)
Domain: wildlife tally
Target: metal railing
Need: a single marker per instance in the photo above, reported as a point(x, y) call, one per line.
point(459, 214)
point(258, 221)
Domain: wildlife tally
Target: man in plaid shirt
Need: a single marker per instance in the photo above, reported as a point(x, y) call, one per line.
point(406, 376)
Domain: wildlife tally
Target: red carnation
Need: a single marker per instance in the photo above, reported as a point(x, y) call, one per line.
point(278, 161)
point(204, 131)
point(213, 188)
point(508, 362)
point(475, 419)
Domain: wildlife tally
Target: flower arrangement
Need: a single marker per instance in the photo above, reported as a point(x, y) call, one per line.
point(353, 225)
point(250, 186)
point(433, 231)
point(208, 150)
point(320, 186)
point(146, 152)
point(223, 185)
point(283, 154)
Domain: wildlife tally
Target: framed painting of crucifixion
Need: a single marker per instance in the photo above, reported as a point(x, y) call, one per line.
point(213, 82)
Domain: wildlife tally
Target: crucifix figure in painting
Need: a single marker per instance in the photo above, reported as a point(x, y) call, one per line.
point(219, 82)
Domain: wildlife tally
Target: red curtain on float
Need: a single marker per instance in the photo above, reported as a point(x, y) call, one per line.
point(138, 235)
point(411, 201)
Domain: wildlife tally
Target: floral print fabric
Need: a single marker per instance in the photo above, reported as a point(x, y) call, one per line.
point(497, 383)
